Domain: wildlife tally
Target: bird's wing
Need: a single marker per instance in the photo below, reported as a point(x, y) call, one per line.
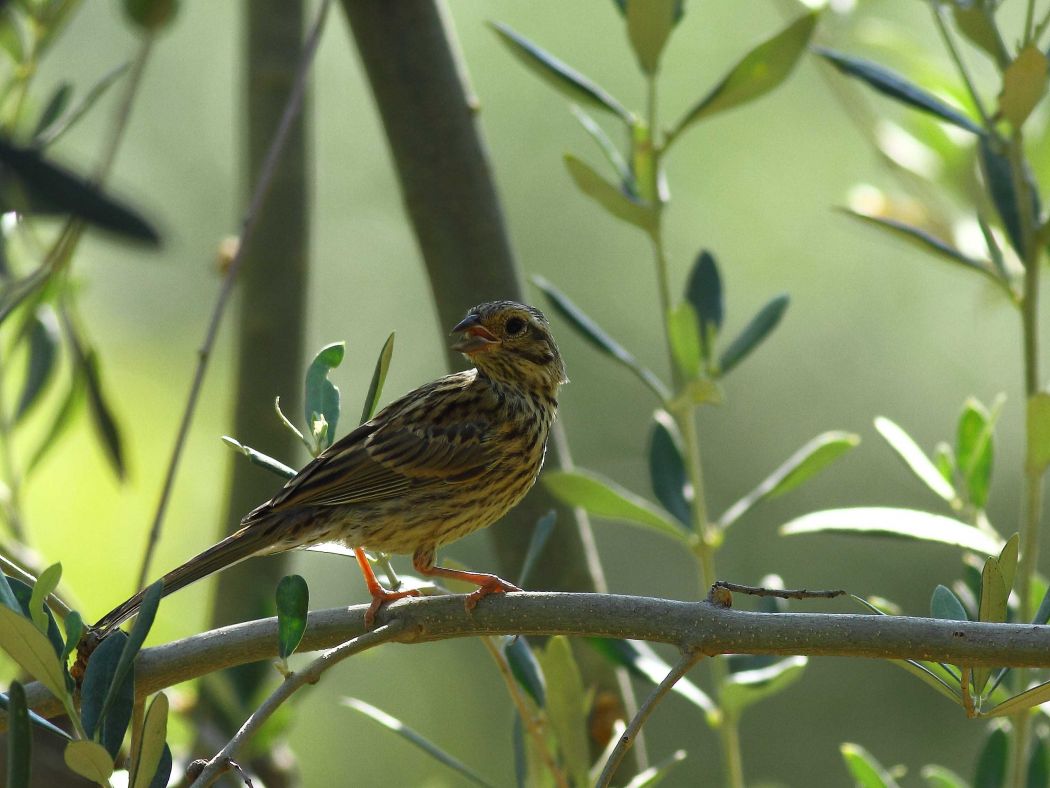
point(400, 449)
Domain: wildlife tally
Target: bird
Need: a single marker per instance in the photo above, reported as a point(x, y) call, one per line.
point(443, 461)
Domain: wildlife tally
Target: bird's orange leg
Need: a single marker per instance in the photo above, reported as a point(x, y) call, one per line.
point(379, 594)
point(423, 561)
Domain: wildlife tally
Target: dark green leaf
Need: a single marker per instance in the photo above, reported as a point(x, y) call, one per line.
point(995, 167)
point(991, 764)
point(375, 386)
point(865, 770)
point(760, 70)
point(47, 188)
point(42, 336)
point(945, 604)
point(914, 457)
point(7, 595)
point(258, 458)
point(754, 333)
point(293, 604)
point(593, 333)
point(892, 84)
point(19, 738)
point(321, 396)
point(526, 668)
point(974, 450)
point(667, 472)
point(649, 25)
point(151, 15)
point(1039, 765)
point(1042, 615)
point(98, 677)
point(55, 106)
point(611, 197)
point(1024, 85)
point(81, 107)
point(562, 77)
point(102, 415)
point(540, 534)
point(704, 291)
point(163, 773)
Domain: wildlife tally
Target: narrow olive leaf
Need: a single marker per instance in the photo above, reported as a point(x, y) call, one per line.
point(901, 523)
point(944, 461)
point(70, 118)
point(865, 770)
point(931, 674)
point(1025, 700)
point(1039, 765)
point(667, 472)
point(608, 149)
point(540, 534)
point(102, 414)
point(151, 743)
point(999, 182)
point(24, 594)
point(760, 70)
point(914, 457)
point(409, 735)
point(46, 188)
point(805, 463)
point(991, 763)
point(1008, 561)
point(655, 774)
point(1042, 614)
point(1024, 85)
point(976, 22)
point(1037, 426)
point(993, 248)
point(683, 333)
point(55, 106)
point(993, 606)
point(562, 77)
point(293, 604)
point(593, 333)
point(642, 661)
point(43, 588)
point(37, 720)
point(753, 334)
point(945, 604)
point(892, 84)
point(90, 760)
point(7, 596)
point(42, 353)
point(974, 450)
point(703, 290)
point(649, 25)
point(98, 677)
point(321, 396)
point(526, 668)
point(375, 386)
point(747, 687)
point(162, 776)
point(567, 707)
point(61, 420)
point(74, 625)
point(258, 458)
point(605, 498)
point(122, 674)
point(940, 777)
point(19, 738)
point(611, 197)
point(32, 650)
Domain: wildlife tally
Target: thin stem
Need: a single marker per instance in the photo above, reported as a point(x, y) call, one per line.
point(687, 660)
point(1041, 27)
point(1029, 21)
point(959, 65)
point(13, 508)
point(295, 681)
point(266, 175)
point(123, 112)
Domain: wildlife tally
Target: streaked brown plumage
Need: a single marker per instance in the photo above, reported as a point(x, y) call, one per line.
point(441, 462)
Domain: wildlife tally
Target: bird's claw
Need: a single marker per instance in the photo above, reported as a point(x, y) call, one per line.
point(380, 597)
point(496, 585)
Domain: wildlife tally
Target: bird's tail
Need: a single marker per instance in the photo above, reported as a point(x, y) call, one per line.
point(244, 543)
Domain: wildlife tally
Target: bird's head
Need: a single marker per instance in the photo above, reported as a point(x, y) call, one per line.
point(511, 343)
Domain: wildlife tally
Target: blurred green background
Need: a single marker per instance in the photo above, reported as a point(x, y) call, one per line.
point(874, 327)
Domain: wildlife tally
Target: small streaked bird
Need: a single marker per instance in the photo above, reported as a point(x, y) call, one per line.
point(441, 462)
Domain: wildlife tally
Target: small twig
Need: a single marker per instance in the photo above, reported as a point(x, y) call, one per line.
point(779, 593)
point(688, 659)
point(946, 36)
point(265, 179)
point(309, 675)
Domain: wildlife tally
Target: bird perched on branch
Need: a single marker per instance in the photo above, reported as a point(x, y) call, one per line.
point(441, 462)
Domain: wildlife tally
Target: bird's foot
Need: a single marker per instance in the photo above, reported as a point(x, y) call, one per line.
point(380, 596)
point(492, 585)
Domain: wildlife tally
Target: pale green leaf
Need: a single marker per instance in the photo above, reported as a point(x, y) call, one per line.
point(654, 775)
point(1024, 85)
point(611, 197)
point(915, 458)
point(375, 386)
point(32, 650)
point(865, 770)
point(90, 760)
point(939, 777)
point(1025, 700)
point(745, 687)
point(150, 743)
point(649, 25)
point(683, 333)
point(1038, 432)
point(567, 706)
point(44, 586)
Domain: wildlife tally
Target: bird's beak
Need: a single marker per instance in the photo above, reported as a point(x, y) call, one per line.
point(476, 338)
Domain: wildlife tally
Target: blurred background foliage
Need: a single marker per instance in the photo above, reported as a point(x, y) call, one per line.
point(875, 327)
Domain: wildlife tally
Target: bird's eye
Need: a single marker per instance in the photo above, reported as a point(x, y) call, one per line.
point(516, 326)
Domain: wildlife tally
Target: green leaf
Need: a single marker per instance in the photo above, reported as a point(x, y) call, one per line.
point(611, 197)
point(540, 534)
point(754, 333)
point(704, 291)
point(151, 15)
point(890, 521)
point(649, 25)
point(80, 108)
point(944, 604)
point(608, 149)
point(61, 420)
point(409, 735)
point(593, 333)
point(1037, 427)
point(974, 450)
point(54, 107)
point(977, 24)
point(43, 588)
point(1024, 85)
point(19, 738)
point(667, 472)
point(683, 333)
point(37, 720)
point(1025, 700)
point(760, 70)
point(162, 776)
point(892, 84)
point(560, 76)
point(999, 182)
point(991, 764)
point(321, 396)
point(32, 650)
point(994, 596)
point(293, 604)
point(1039, 765)
point(42, 187)
point(642, 661)
point(933, 674)
point(1008, 561)
point(151, 743)
point(74, 625)
point(24, 594)
point(102, 414)
point(567, 707)
point(375, 386)
point(655, 774)
point(102, 691)
point(605, 498)
point(939, 777)
point(1042, 614)
point(42, 353)
point(865, 770)
point(7, 596)
point(90, 760)
point(11, 34)
point(746, 687)
point(526, 668)
point(805, 463)
point(914, 457)
point(258, 458)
